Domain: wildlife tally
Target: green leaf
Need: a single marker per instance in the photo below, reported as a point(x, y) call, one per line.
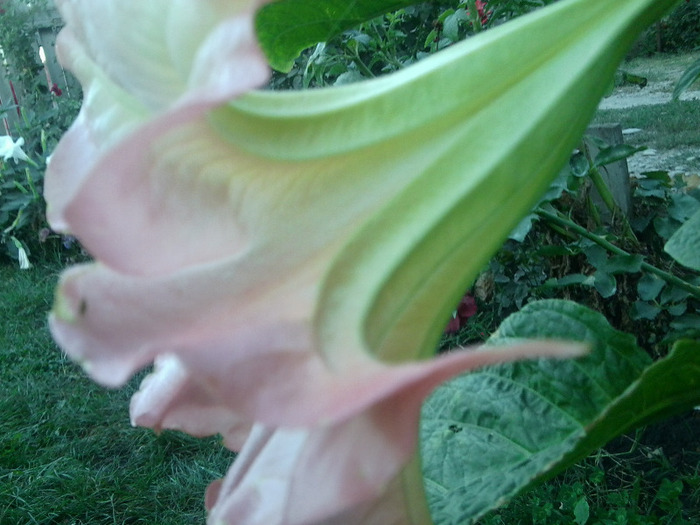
point(623, 264)
point(596, 255)
point(666, 227)
point(652, 187)
point(582, 511)
point(684, 244)
point(687, 322)
point(572, 278)
point(523, 228)
point(604, 283)
point(677, 310)
point(644, 310)
point(490, 434)
point(286, 27)
point(579, 164)
point(612, 154)
point(682, 207)
point(673, 294)
point(687, 79)
point(556, 189)
point(451, 24)
point(649, 286)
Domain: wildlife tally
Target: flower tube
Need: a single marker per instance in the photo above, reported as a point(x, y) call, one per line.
point(290, 259)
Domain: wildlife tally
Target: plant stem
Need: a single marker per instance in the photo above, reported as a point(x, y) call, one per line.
point(565, 222)
point(607, 196)
point(361, 65)
point(603, 190)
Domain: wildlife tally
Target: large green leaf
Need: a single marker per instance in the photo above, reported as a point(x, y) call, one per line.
point(488, 435)
point(287, 27)
point(684, 244)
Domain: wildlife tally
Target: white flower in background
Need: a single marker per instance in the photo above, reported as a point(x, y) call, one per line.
point(22, 255)
point(24, 263)
point(10, 149)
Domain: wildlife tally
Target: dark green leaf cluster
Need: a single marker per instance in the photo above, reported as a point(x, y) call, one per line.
point(348, 48)
point(678, 32)
point(625, 267)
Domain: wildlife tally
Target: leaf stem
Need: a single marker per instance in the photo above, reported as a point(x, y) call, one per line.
point(567, 223)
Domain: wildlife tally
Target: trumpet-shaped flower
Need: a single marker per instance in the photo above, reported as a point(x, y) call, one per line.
point(144, 67)
point(289, 259)
point(12, 149)
point(358, 465)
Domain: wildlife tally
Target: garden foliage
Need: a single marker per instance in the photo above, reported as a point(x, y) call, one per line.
point(43, 113)
point(369, 209)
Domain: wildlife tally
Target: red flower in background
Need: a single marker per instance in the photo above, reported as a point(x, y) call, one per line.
point(56, 90)
point(481, 11)
point(465, 310)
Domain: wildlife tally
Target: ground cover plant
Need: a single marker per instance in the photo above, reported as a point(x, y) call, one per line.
point(616, 387)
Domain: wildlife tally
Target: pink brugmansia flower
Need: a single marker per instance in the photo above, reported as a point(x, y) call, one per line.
point(359, 208)
point(177, 59)
point(353, 467)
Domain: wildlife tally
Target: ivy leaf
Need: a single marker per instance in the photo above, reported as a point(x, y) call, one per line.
point(488, 435)
point(287, 27)
point(684, 244)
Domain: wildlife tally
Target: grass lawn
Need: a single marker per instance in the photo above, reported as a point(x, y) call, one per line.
point(68, 454)
point(662, 67)
point(664, 126)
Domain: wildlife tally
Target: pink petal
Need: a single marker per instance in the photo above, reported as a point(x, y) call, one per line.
point(346, 474)
point(115, 325)
point(136, 88)
point(170, 398)
point(346, 470)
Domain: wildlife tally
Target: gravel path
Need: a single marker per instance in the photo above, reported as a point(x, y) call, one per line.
point(675, 161)
point(658, 93)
